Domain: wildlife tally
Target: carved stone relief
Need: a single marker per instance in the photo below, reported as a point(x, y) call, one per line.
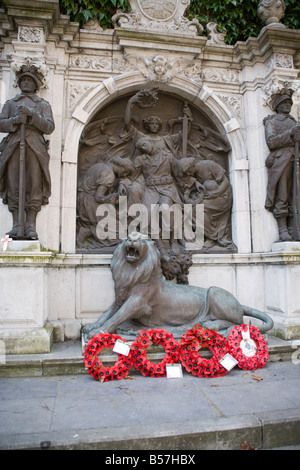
point(31, 34)
point(74, 92)
point(153, 148)
point(158, 68)
point(214, 74)
point(158, 16)
point(234, 102)
point(98, 63)
point(281, 61)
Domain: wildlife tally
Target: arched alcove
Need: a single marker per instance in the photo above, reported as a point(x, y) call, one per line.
point(103, 101)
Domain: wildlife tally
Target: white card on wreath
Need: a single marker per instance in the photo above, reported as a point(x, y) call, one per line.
point(228, 361)
point(121, 347)
point(174, 371)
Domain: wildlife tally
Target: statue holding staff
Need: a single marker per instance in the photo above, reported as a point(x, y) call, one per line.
point(25, 183)
point(282, 136)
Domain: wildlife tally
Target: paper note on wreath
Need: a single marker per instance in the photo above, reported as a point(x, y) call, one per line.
point(121, 347)
point(174, 371)
point(228, 362)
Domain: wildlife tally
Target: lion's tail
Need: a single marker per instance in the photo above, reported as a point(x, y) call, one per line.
point(252, 312)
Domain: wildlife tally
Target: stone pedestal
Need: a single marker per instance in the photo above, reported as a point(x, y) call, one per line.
point(27, 341)
point(286, 247)
point(23, 246)
point(24, 298)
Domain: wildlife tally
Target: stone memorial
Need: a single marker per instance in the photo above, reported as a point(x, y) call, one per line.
point(156, 114)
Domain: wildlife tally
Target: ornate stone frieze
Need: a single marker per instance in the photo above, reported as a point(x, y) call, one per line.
point(89, 62)
point(221, 75)
point(98, 63)
point(213, 74)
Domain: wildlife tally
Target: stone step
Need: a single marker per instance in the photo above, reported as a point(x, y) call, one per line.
point(66, 358)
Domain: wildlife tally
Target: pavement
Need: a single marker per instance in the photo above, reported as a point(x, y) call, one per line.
point(249, 410)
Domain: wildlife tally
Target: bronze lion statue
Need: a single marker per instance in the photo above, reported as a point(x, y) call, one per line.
point(145, 299)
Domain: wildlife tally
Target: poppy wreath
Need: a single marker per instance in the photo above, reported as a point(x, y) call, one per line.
point(261, 356)
point(95, 367)
point(197, 338)
point(139, 352)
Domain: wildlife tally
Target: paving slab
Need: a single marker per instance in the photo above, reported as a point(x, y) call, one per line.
point(144, 413)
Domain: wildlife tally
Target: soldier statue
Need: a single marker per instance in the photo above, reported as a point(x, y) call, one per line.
point(25, 183)
point(282, 136)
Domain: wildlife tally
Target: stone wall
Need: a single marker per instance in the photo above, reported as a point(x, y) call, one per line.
point(50, 285)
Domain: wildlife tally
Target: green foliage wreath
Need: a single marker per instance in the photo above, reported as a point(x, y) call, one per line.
point(237, 17)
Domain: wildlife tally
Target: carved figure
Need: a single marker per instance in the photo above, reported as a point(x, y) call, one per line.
point(205, 181)
point(25, 183)
point(97, 187)
point(157, 166)
point(145, 299)
point(154, 143)
point(282, 134)
point(152, 124)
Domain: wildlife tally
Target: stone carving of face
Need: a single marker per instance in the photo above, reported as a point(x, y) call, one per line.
point(152, 124)
point(27, 84)
point(145, 145)
point(284, 107)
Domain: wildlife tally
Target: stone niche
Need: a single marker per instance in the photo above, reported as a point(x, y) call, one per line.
point(49, 289)
point(105, 138)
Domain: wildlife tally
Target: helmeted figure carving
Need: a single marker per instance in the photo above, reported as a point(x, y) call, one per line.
point(31, 113)
point(282, 132)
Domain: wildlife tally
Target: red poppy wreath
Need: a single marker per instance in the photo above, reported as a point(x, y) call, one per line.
point(95, 367)
point(248, 347)
point(197, 338)
point(139, 352)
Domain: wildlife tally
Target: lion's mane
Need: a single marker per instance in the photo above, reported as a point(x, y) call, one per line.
point(127, 275)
